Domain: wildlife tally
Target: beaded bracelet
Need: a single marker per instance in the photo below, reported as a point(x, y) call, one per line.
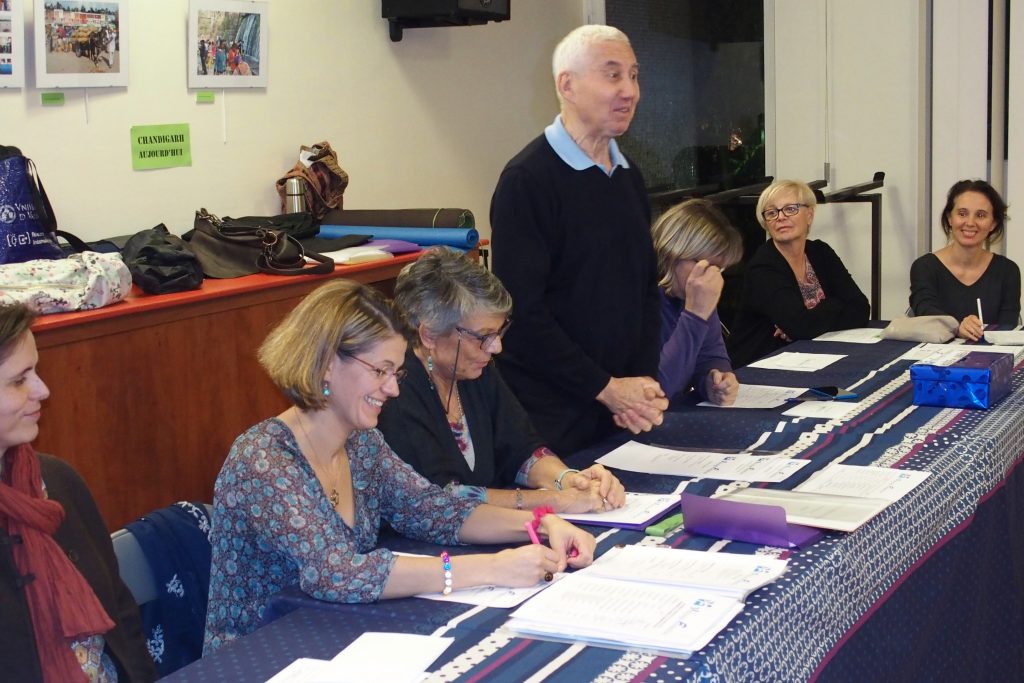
point(446, 563)
point(519, 499)
point(558, 480)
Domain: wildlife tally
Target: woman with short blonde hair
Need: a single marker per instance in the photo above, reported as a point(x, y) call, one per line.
point(794, 287)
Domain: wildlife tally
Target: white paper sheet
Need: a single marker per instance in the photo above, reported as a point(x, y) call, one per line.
point(858, 335)
point(1005, 337)
point(842, 513)
point(863, 482)
point(371, 657)
point(733, 575)
point(945, 354)
point(640, 508)
point(638, 457)
point(492, 596)
point(759, 396)
point(487, 596)
point(797, 361)
point(829, 410)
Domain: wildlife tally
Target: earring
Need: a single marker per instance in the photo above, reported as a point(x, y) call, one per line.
point(327, 389)
point(430, 364)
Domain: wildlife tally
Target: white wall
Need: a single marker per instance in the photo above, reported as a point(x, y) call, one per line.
point(428, 121)
point(960, 101)
point(1014, 241)
point(847, 77)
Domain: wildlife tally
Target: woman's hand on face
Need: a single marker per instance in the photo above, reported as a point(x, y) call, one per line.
point(971, 328)
point(574, 545)
point(611, 490)
point(526, 565)
point(703, 289)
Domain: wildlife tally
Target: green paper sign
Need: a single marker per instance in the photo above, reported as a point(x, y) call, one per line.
point(204, 97)
point(52, 99)
point(163, 146)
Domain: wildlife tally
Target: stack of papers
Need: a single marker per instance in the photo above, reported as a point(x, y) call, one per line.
point(839, 497)
point(638, 457)
point(657, 599)
point(640, 510)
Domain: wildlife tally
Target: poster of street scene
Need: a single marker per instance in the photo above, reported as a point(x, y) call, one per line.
point(227, 44)
point(12, 44)
point(81, 43)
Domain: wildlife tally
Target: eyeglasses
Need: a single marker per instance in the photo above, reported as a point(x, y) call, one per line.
point(486, 339)
point(789, 210)
point(382, 373)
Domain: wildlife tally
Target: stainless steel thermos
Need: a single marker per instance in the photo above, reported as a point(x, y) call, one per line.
point(295, 195)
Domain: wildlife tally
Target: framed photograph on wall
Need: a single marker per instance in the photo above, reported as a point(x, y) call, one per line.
point(81, 44)
point(227, 44)
point(12, 44)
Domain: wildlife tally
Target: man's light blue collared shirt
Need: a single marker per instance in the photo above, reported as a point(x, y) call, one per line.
point(566, 148)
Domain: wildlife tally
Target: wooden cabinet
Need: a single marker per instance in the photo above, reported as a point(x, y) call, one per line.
point(147, 395)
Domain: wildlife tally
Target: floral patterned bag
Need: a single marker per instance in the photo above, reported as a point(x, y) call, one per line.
point(79, 282)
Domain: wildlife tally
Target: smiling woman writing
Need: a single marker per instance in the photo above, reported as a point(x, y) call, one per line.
point(954, 279)
point(301, 496)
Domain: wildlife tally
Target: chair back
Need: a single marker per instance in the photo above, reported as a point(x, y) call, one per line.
point(164, 559)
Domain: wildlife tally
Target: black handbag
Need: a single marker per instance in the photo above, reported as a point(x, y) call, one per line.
point(161, 263)
point(233, 247)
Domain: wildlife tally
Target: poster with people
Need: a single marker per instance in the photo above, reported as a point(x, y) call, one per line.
point(81, 44)
point(227, 44)
point(12, 44)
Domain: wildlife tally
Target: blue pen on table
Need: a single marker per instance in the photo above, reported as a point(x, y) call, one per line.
point(828, 394)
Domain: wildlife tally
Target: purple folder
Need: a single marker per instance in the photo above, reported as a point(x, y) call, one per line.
point(750, 522)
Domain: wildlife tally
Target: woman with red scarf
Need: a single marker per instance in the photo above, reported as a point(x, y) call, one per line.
point(66, 614)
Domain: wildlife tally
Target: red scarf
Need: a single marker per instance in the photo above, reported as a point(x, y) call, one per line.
point(62, 604)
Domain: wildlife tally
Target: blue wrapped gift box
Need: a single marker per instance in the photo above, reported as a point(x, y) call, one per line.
point(978, 380)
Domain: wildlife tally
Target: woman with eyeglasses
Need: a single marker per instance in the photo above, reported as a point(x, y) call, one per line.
point(964, 279)
point(694, 243)
point(301, 496)
point(794, 287)
point(456, 421)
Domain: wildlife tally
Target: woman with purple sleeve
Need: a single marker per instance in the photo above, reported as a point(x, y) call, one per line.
point(694, 243)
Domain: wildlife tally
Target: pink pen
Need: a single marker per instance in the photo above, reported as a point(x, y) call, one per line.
point(536, 540)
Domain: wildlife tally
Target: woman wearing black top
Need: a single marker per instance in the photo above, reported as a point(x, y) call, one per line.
point(954, 279)
point(795, 288)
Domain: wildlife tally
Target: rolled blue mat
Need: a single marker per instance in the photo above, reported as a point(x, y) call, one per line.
point(463, 238)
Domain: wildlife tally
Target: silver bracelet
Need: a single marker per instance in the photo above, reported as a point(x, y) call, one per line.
point(558, 480)
point(519, 499)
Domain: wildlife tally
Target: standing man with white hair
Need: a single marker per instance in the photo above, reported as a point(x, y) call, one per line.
point(571, 238)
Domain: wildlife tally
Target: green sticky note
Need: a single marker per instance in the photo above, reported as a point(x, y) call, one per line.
point(52, 99)
point(163, 146)
point(204, 97)
point(664, 526)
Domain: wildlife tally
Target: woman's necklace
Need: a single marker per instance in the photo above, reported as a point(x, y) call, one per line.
point(333, 496)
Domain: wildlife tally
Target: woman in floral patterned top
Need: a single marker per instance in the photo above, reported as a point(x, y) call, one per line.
point(301, 497)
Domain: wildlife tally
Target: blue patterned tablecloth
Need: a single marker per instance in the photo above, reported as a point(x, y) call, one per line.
point(869, 605)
